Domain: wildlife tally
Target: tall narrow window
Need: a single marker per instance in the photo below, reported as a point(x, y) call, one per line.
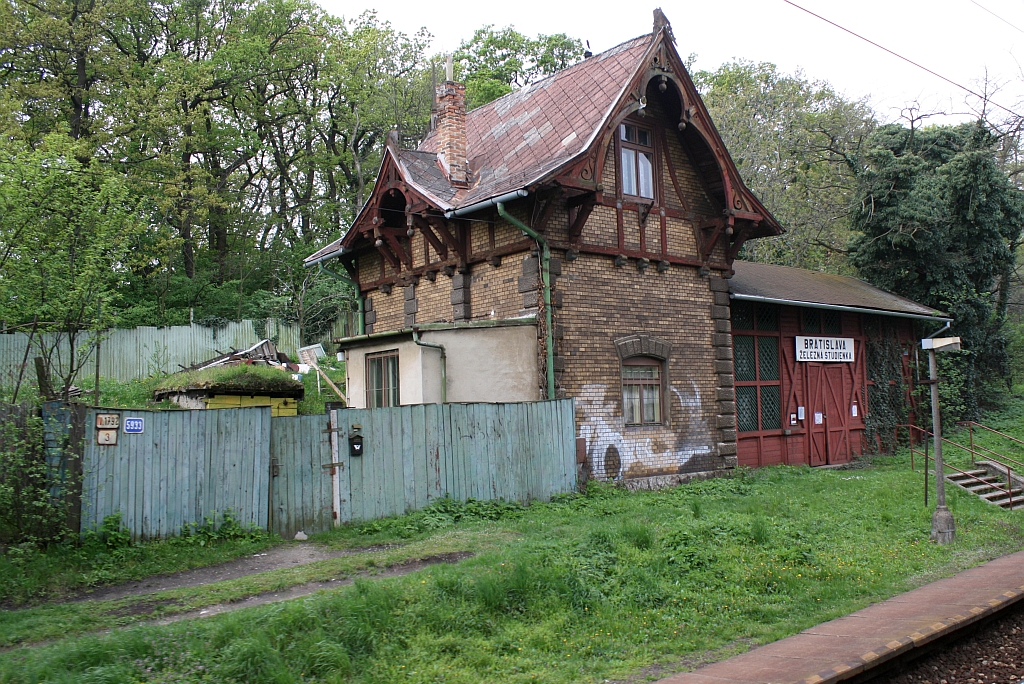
point(382, 379)
point(756, 364)
point(636, 161)
point(641, 390)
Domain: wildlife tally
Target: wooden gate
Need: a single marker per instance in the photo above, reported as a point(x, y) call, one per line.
point(412, 455)
point(300, 485)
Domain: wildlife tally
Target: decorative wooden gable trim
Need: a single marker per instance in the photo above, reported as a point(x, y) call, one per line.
point(742, 214)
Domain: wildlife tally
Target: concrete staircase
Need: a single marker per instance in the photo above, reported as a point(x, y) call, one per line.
point(988, 482)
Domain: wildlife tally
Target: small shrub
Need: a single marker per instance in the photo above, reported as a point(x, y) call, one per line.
point(637, 534)
point(759, 530)
point(209, 531)
point(28, 512)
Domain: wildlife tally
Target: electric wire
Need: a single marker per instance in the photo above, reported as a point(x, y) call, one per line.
point(979, 5)
point(905, 59)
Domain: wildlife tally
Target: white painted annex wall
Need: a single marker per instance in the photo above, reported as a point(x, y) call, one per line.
point(483, 364)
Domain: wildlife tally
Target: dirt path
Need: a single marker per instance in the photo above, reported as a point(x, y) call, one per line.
point(288, 555)
point(301, 590)
point(145, 608)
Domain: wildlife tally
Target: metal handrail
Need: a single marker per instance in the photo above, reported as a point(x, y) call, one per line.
point(1000, 458)
point(985, 427)
point(1008, 490)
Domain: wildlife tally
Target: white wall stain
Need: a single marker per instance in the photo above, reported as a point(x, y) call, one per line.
point(605, 431)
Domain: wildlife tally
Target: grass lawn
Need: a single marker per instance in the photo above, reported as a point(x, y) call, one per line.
point(587, 588)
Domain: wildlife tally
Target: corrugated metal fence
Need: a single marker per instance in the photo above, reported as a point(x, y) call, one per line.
point(297, 473)
point(135, 353)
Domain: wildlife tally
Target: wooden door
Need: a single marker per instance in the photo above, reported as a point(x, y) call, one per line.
point(815, 417)
point(836, 411)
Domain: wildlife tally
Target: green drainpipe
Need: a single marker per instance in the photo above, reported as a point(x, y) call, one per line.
point(444, 362)
point(545, 276)
point(360, 303)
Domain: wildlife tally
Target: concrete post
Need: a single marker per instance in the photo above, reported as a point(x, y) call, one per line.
point(943, 527)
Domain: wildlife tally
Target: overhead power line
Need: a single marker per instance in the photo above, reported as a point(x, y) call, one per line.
point(978, 4)
point(906, 59)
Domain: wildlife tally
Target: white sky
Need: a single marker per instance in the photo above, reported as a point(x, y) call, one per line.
point(956, 38)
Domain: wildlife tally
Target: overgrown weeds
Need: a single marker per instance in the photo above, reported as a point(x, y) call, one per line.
point(32, 508)
point(443, 513)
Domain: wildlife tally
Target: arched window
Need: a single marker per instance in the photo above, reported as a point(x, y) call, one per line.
point(643, 370)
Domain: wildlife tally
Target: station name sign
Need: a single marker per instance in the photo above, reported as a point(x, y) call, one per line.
point(825, 349)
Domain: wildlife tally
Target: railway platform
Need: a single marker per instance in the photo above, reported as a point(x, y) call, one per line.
point(854, 646)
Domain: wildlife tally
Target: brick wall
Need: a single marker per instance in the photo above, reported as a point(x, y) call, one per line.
point(602, 303)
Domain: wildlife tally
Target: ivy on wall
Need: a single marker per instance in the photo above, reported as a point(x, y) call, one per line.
point(888, 398)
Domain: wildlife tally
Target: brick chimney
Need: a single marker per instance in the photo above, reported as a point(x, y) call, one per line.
point(451, 128)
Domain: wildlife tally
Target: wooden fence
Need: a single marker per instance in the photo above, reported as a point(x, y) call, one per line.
point(291, 474)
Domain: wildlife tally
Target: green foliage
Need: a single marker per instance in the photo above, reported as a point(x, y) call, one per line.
point(495, 62)
point(68, 236)
point(30, 515)
point(887, 398)
point(441, 514)
point(936, 218)
point(239, 379)
point(790, 138)
point(217, 528)
point(314, 402)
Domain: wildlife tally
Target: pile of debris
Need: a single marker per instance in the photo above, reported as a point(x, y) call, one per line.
point(263, 352)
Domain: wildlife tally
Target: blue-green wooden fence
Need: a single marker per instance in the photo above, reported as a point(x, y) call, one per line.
point(185, 466)
point(291, 474)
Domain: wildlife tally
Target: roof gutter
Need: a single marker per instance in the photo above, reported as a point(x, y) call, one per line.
point(486, 204)
point(545, 277)
point(838, 307)
point(325, 257)
point(360, 303)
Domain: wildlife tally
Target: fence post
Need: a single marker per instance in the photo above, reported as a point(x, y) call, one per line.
point(926, 473)
point(1009, 485)
point(970, 429)
point(909, 436)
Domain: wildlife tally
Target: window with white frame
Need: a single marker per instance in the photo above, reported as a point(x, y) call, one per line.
point(382, 379)
point(636, 161)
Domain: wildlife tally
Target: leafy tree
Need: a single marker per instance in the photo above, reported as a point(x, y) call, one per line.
point(789, 138)
point(936, 218)
point(495, 62)
point(67, 238)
